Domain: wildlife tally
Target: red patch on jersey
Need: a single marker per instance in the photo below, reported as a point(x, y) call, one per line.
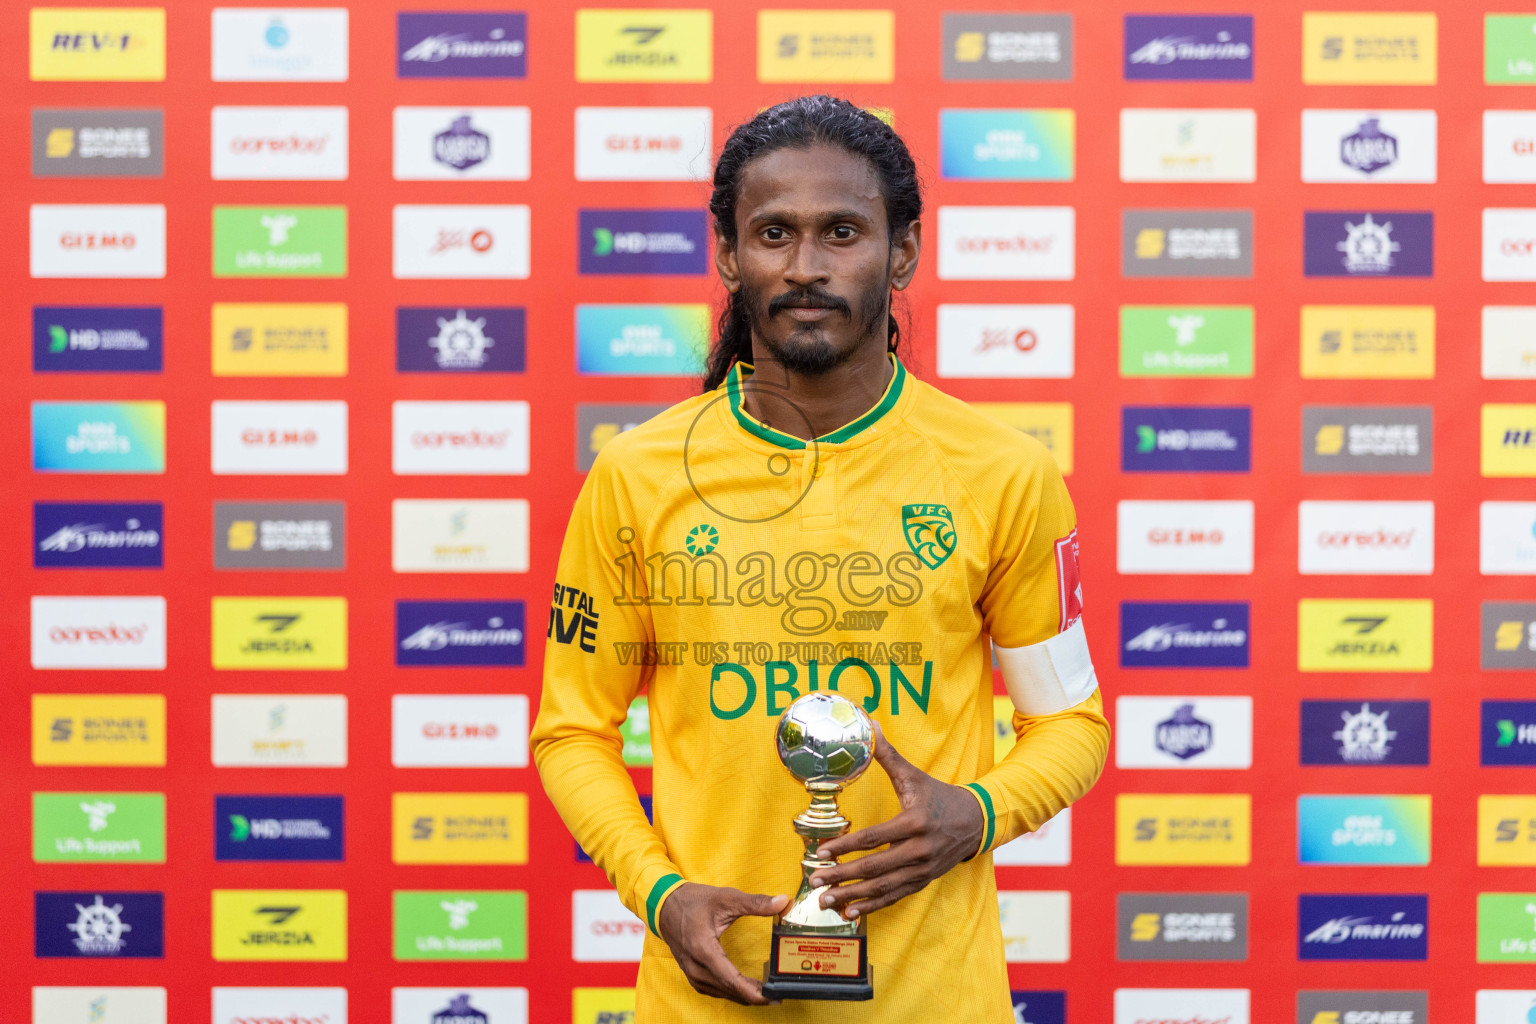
point(1069, 580)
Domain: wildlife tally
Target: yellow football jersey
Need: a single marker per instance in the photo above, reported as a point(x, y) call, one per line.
point(724, 568)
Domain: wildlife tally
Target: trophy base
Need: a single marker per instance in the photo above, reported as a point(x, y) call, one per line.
point(802, 966)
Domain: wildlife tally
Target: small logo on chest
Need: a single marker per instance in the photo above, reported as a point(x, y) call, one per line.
point(930, 532)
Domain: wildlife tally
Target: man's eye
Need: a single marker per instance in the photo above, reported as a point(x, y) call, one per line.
point(775, 234)
point(843, 232)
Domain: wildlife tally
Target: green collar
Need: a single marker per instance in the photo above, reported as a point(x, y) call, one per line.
point(887, 402)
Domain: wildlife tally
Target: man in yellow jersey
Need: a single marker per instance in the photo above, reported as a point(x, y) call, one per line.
point(817, 519)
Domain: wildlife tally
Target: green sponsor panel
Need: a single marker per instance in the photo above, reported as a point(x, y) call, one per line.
point(279, 241)
point(1509, 49)
point(1506, 927)
point(461, 925)
point(636, 731)
point(1186, 341)
point(98, 827)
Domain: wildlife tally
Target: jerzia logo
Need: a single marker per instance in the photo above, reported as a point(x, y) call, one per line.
point(930, 532)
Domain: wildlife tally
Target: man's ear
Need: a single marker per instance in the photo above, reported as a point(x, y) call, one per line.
point(725, 263)
point(905, 253)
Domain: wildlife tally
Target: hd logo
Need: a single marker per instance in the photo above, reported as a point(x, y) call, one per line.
point(279, 924)
point(1509, 732)
point(280, 632)
point(1385, 635)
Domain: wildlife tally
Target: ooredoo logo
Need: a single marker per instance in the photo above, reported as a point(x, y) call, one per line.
point(470, 438)
point(603, 929)
point(1509, 244)
point(279, 143)
point(98, 632)
point(1007, 243)
point(1366, 537)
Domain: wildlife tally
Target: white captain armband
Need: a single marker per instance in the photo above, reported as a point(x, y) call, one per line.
point(1050, 676)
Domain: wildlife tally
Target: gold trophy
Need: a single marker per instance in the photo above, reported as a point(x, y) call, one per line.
point(826, 741)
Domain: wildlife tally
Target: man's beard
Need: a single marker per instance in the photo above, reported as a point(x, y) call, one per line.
point(807, 350)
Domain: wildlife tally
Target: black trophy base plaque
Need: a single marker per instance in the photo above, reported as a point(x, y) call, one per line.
point(802, 966)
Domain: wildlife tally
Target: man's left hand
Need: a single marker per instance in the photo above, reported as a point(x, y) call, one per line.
point(939, 826)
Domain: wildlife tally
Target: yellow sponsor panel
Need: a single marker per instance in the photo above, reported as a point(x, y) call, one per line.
point(1050, 423)
point(1368, 49)
point(460, 828)
point(1376, 635)
point(1183, 828)
point(280, 632)
point(1368, 342)
point(1509, 440)
point(1506, 831)
point(98, 729)
point(279, 339)
point(602, 1005)
point(826, 46)
point(644, 45)
point(279, 924)
point(98, 44)
point(1003, 737)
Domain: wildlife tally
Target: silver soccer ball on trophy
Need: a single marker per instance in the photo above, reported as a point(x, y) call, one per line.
point(825, 740)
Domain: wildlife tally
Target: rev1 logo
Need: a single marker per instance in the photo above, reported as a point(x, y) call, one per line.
point(602, 928)
point(1017, 47)
point(1181, 926)
point(1364, 733)
point(1005, 341)
point(1509, 732)
point(461, 44)
point(1189, 48)
point(1365, 927)
point(266, 828)
point(642, 242)
point(483, 242)
point(97, 535)
point(1183, 732)
point(462, 339)
point(465, 633)
point(99, 339)
point(279, 924)
point(1363, 1008)
point(1185, 439)
point(1183, 635)
point(99, 924)
point(1369, 243)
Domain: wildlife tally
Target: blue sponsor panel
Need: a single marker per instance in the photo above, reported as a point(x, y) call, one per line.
point(1162, 634)
point(1363, 927)
point(97, 339)
point(1183, 48)
point(1031, 1007)
point(582, 857)
point(1361, 732)
point(99, 924)
point(461, 44)
point(1369, 243)
point(1509, 733)
point(265, 828)
point(1389, 829)
point(460, 339)
point(643, 242)
point(98, 535)
point(459, 633)
point(1186, 439)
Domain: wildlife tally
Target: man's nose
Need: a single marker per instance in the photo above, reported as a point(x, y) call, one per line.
point(807, 265)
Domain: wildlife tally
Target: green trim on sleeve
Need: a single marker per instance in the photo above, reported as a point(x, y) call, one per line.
point(663, 885)
point(990, 813)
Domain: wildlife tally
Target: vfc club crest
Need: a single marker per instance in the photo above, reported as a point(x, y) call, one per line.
point(930, 532)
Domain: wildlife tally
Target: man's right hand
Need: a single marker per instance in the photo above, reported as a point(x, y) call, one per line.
point(691, 922)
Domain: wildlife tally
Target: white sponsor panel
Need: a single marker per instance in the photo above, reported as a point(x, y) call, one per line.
point(279, 437)
point(1049, 845)
point(426, 1005)
point(1509, 147)
point(1006, 341)
point(461, 143)
point(643, 143)
point(98, 240)
point(1366, 538)
point(279, 1005)
point(482, 535)
point(1509, 244)
point(1509, 342)
point(98, 1004)
point(1188, 145)
point(1373, 146)
point(461, 438)
point(279, 143)
point(1181, 1006)
point(1185, 537)
point(1036, 926)
point(1156, 732)
point(1505, 1006)
point(470, 731)
point(1007, 243)
point(461, 241)
point(602, 928)
point(1507, 542)
point(98, 632)
point(279, 730)
point(279, 44)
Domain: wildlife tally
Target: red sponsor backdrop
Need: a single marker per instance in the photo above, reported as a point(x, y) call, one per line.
point(552, 387)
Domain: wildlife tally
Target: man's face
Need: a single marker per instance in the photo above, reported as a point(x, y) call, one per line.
point(813, 257)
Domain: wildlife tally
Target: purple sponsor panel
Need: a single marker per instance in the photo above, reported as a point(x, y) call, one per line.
point(462, 44)
point(1185, 634)
point(1364, 732)
point(643, 242)
point(97, 339)
point(1189, 47)
point(1363, 927)
point(460, 339)
point(1369, 243)
point(97, 535)
point(1185, 439)
point(459, 633)
point(99, 924)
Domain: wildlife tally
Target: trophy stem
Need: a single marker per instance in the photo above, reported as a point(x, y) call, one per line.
point(815, 825)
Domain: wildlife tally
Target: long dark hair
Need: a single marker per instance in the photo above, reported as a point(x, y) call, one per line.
point(798, 124)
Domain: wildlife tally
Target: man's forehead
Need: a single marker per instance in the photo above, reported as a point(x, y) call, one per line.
point(805, 181)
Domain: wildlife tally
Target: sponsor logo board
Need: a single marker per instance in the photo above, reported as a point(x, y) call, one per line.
point(98, 1004)
point(1050, 423)
point(1496, 1006)
point(461, 143)
point(279, 828)
point(1185, 439)
point(1185, 537)
point(1188, 145)
point(1186, 341)
point(1363, 829)
point(461, 438)
point(1184, 48)
point(1382, 1007)
point(1186, 243)
point(826, 46)
point(1005, 341)
point(98, 729)
point(478, 535)
point(642, 241)
point(1039, 1007)
point(97, 535)
point(597, 423)
point(642, 340)
point(1505, 934)
point(479, 242)
point(98, 437)
point(1007, 46)
point(463, 633)
point(460, 339)
point(1036, 926)
point(1509, 57)
point(461, 44)
point(602, 1005)
point(602, 929)
point(1509, 144)
point(279, 924)
point(97, 44)
point(282, 730)
point(1369, 244)
point(266, 438)
point(1507, 538)
point(279, 241)
point(1374, 635)
point(278, 633)
point(99, 924)
point(1184, 732)
point(279, 144)
point(1007, 243)
point(272, 339)
point(1368, 48)
point(1509, 634)
point(1366, 538)
point(1048, 846)
point(476, 925)
point(1367, 439)
point(1364, 733)
point(451, 1005)
point(1506, 830)
point(460, 828)
point(279, 535)
point(1509, 440)
point(98, 632)
point(1509, 341)
point(1368, 342)
point(1509, 244)
point(1363, 927)
point(102, 828)
point(1183, 828)
point(1181, 1005)
point(99, 339)
point(70, 142)
point(470, 731)
point(644, 45)
point(1374, 146)
point(644, 143)
point(1508, 733)
point(287, 1005)
point(1184, 634)
point(1007, 145)
point(97, 240)
point(1181, 926)
point(280, 44)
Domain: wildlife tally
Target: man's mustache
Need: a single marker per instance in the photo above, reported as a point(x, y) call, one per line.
point(809, 299)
